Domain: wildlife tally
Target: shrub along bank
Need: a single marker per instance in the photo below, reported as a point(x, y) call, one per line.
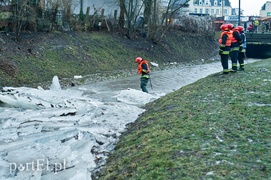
point(216, 128)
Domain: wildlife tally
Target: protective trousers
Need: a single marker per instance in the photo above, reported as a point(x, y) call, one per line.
point(143, 84)
point(241, 58)
point(234, 58)
point(225, 63)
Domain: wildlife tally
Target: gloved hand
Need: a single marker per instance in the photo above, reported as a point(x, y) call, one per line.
point(220, 51)
point(240, 48)
point(145, 71)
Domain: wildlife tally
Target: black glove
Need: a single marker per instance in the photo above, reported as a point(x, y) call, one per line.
point(240, 48)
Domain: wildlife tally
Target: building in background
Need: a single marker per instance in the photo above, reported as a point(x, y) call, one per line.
point(266, 10)
point(109, 6)
point(220, 10)
point(235, 12)
point(215, 8)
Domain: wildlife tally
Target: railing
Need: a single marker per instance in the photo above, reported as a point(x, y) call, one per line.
point(258, 38)
point(258, 45)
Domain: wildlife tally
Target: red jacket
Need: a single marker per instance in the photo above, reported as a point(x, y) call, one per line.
point(143, 67)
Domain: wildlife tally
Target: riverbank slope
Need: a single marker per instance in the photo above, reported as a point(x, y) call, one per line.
point(40, 56)
point(216, 128)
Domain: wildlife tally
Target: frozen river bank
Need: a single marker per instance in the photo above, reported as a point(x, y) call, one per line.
point(64, 134)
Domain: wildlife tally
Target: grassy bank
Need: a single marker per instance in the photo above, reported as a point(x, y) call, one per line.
point(40, 56)
point(216, 128)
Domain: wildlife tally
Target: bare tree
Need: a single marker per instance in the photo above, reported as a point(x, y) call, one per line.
point(94, 18)
point(156, 22)
point(53, 8)
point(23, 14)
point(122, 14)
point(156, 32)
point(130, 14)
point(147, 10)
point(129, 11)
point(67, 10)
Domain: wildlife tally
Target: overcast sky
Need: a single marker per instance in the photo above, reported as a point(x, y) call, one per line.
point(250, 7)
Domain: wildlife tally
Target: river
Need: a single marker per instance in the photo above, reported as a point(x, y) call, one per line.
point(61, 134)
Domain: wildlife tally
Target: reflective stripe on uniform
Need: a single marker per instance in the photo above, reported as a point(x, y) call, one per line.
point(146, 76)
point(225, 70)
point(225, 52)
point(235, 49)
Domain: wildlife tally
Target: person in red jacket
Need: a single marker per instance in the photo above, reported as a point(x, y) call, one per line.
point(236, 41)
point(143, 69)
point(225, 46)
point(242, 49)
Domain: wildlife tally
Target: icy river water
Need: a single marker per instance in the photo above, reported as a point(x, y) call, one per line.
point(64, 134)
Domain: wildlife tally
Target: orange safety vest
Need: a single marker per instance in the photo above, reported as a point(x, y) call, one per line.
point(229, 39)
point(234, 40)
point(139, 67)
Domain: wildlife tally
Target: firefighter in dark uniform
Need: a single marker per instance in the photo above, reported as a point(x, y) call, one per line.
point(143, 69)
point(235, 46)
point(225, 46)
point(242, 49)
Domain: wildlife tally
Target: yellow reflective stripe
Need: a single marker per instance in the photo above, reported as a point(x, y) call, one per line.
point(146, 76)
point(225, 52)
point(235, 49)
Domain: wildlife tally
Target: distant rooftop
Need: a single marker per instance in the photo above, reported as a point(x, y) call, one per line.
point(226, 2)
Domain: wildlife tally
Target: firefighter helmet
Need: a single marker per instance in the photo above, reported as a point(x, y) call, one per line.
point(224, 27)
point(230, 26)
point(240, 28)
point(138, 59)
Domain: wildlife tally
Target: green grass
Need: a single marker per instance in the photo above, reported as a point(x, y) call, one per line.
point(79, 53)
point(216, 128)
point(67, 55)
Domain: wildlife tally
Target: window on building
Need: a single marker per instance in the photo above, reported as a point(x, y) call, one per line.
point(200, 2)
point(207, 2)
point(196, 2)
point(206, 11)
point(212, 11)
point(225, 11)
point(196, 10)
point(215, 3)
point(217, 12)
point(200, 11)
